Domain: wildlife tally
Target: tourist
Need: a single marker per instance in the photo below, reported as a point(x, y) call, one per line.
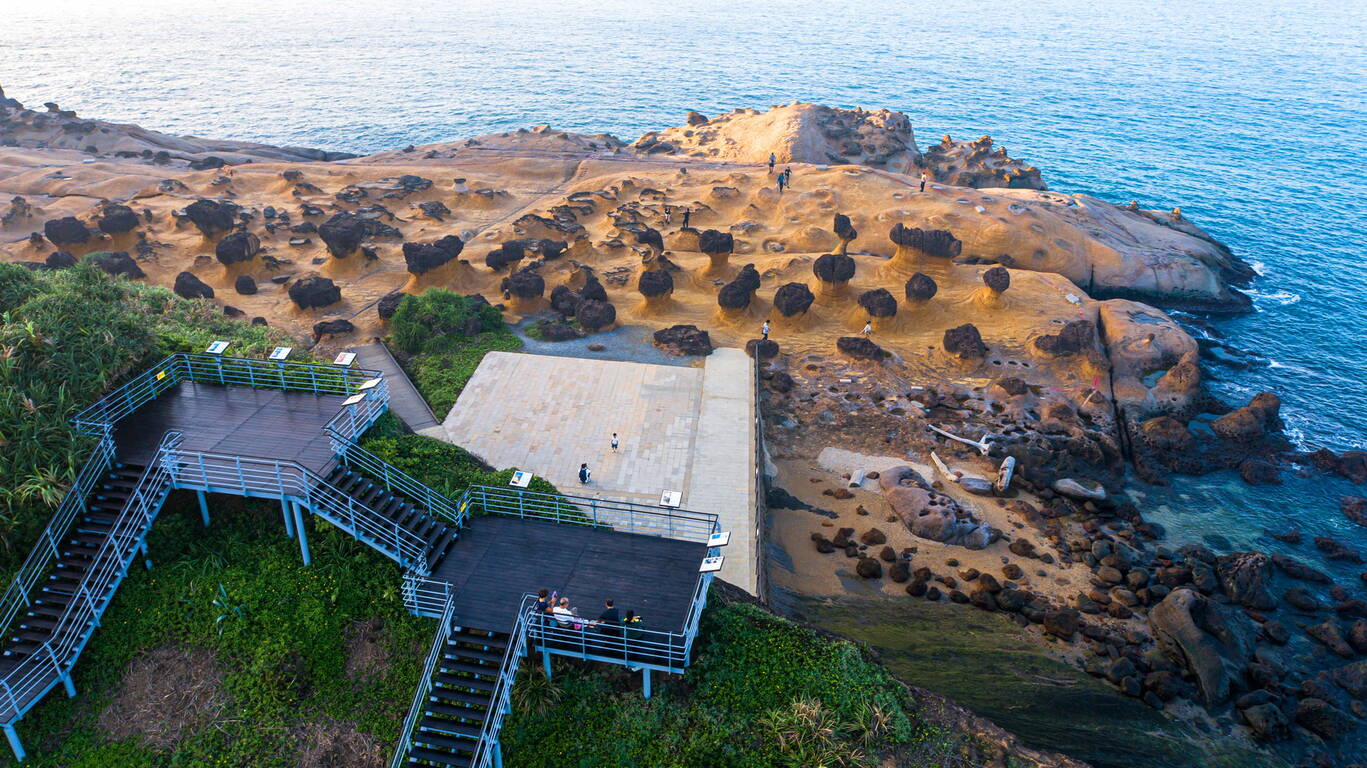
point(543, 601)
point(669, 214)
point(610, 620)
point(868, 328)
point(564, 615)
point(614, 442)
point(632, 624)
point(688, 213)
point(772, 158)
point(788, 176)
point(780, 183)
point(764, 331)
point(584, 474)
point(923, 181)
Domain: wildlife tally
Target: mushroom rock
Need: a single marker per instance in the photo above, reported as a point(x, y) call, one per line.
point(762, 349)
point(331, 328)
point(212, 216)
point(67, 230)
point(965, 342)
point(116, 219)
point(595, 315)
point(1075, 338)
point(718, 246)
point(117, 264)
point(997, 279)
point(565, 300)
point(188, 286)
point(236, 247)
point(425, 257)
point(593, 290)
point(683, 340)
point(1198, 635)
point(60, 260)
point(506, 255)
point(648, 237)
point(793, 299)
point(315, 291)
point(551, 250)
point(932, 242)
point(656, 285)
point(748, 277)
point(920, 288)
point(860, 348)
point(525, 284)
point(845, 231)
point(434, 209)
point(929, 514)
point(833, 272)
point(245, 285)
point(734, 295)
point(878, 303)
point(389, 304)
point(342, 234)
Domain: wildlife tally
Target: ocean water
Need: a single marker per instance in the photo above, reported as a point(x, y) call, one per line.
point(1248, 115)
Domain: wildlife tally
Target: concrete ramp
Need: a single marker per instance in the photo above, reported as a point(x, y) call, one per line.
point(404, 400)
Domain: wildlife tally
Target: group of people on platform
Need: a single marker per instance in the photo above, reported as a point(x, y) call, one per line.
point(609, 624)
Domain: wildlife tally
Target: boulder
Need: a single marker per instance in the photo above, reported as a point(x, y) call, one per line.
point(1352, 678)
point(1076, 337)
point(245, 285)
point(935, 242)
point(1323, 719)
point(188, 286)
point(212, 216)
point(505, 256)
point(1353, 507)
point(713, 242)
point(1267, 722)
point(833, 268)
point(1331, 637)
point(869, 568)
point(1298, 570)
point(734, 295)
point(920, 288)
point(116, 263)
point(655, 282)
point(997, 279)
point(1256, 471)
point(342, 234)
point(389, 304)
point(930, 514)
point(525, 284)
point(60, 260)
point(237, 247)
point(793, 299)
point(873, 537)
point(649, 237)
point(748, 277)
point(67, 230)
point(1061, 622)
point(1166, 434)
point(878, 303)
point(312, 292)
point(965, 342)
point(1195, 633)
point(1252, 421)
point(860, 348)
point(1085, 490)
point(425, 257)
point(116, 219)
point(844, 230)
point(594, 315)
point(1334, 549)
point(1245, 577)
point(558, 332)
point(683, 340)
point(331, 328)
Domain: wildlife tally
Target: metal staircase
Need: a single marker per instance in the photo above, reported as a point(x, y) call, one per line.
point(459, 699)
point(399, 511)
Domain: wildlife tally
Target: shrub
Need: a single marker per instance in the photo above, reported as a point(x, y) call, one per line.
point(437, 321)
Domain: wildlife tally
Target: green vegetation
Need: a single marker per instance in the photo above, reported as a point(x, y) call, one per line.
point(440, 466)
point(66, 338)
point(762, 692)
point(446, 335)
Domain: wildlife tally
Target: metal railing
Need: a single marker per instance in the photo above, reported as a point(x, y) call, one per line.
point(317, 378)
point(425, 597)
point(419, 704)
point(394, 479)
point(52, 660)
point(621, 516)
point(44, 553)
point(500, 700)
point(284, 479)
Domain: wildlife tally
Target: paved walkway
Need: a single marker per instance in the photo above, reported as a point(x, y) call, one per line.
point(404, 399)
point(682, 429)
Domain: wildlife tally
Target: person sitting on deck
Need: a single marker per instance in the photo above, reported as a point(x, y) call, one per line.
point(632, 625)
point(564, 615)
point(543, 601)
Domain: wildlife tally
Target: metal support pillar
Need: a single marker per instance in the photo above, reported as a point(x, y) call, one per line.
point(289, 518)
point(203, 508)
point(146, 557)
point(645, 682)
point(70, 686)
point(498, 755)
point(546, 663)
point(14, 743)
point(303, 535)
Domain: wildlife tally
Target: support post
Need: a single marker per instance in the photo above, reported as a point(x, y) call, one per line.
point(203, 508)
point(70, 686)
point(498, 755)
point(289, 518)
point(546, 662)
point(14, 743)
point(146, 556)
point(303, 535)
point(645, 682)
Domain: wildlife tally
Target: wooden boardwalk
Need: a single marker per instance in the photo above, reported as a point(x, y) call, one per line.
point(404, 399)
point(238, 421)
point(499, 559)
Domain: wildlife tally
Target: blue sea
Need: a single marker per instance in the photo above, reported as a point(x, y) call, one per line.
point(1248, 115)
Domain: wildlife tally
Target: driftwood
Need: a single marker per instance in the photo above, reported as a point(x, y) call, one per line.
point(982, 445)
point(1004, 472)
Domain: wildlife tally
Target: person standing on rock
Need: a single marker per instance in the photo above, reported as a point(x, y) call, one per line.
point(764, 331)
point(772, 160)
point(688, 213)
point(781, 180)
point(614, 442)
point(669, 214)
point(584, 474)
point(788, 176)
point(923, 181)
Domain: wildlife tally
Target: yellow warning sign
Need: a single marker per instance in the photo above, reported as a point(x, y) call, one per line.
point(161, 375)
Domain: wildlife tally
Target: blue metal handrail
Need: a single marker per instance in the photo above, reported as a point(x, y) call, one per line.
point(425, 682)
point(425, 597)
point(41, 558)
point(52, 661)
point(288, 479)
point(500, 701)
point(395, 480)
point(624, 516)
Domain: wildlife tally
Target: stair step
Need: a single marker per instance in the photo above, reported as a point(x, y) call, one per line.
point(469, 667)
point(480, 637)
point(416, 754)
point(451, 695)
point(463, 652)
point(451, 729)
point(460, 711)
point(463, 683)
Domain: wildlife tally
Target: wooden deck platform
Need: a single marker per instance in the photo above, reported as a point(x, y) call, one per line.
point(239, 421)
point(499, 559)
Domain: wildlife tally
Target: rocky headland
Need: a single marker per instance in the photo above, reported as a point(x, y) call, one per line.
point(973, 448)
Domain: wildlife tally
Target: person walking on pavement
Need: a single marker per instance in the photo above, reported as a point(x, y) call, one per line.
point(764, 331)
point(688, 213)
point(614, 442)
point(781, 181)
point(584, 474)
point(772, 159)
point(923, 181)
point(788, 176)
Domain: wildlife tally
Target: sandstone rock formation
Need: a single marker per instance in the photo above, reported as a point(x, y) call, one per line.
point(930, 514)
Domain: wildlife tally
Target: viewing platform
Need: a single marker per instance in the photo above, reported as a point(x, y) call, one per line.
point(287, 431)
